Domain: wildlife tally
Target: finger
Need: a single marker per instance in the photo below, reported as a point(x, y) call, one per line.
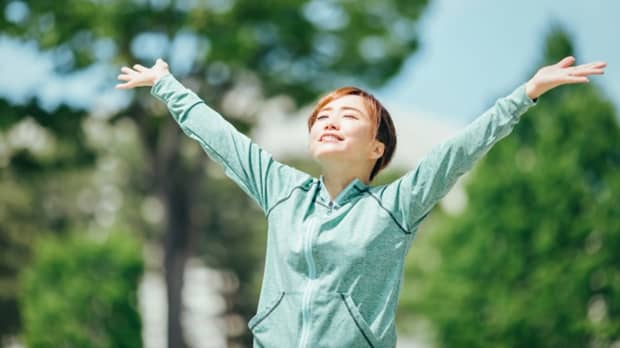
point(585, 72)
point(594, 65)
point(124, 77)
point(598, 64)
point(139, 67)
point(127, 85)
point(127, 70)
point(595, 72)
point(566, 62)
point(161, 63)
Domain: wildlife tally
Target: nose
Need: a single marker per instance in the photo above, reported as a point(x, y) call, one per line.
point(331, 124)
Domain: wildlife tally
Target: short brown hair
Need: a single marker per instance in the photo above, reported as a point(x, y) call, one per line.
point(384, 130)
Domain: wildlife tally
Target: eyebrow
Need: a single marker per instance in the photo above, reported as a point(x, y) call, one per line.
point(343, 108)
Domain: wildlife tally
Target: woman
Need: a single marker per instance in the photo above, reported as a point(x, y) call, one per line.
point(336, 245)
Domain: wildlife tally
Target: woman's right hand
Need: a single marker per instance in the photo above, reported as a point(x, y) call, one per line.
point(141, 76)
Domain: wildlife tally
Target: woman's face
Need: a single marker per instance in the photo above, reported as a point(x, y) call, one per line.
point(343, 131)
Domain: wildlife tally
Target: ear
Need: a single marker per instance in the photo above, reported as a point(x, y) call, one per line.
point(376, 150)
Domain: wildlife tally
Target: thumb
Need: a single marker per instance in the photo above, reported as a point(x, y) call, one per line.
point(566, 62)
point(161, 62)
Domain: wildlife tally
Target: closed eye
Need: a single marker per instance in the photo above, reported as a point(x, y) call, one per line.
point(351, 116)
point(320, 117)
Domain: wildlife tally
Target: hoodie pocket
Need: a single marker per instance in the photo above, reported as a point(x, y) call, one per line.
point(360, 322)
point(337, 322)
point(265, 312)
point(276, 325)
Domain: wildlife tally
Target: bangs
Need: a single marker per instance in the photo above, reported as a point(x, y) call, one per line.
point(372, 105)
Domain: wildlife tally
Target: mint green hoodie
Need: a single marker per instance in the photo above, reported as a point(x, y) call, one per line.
point(334, 269)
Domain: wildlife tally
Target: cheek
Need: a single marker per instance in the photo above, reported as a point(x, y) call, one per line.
point(314, 129)
point(313, 134)
point(361, 135)
point(311, 138)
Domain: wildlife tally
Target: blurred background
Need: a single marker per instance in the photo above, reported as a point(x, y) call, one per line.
point(117, 231)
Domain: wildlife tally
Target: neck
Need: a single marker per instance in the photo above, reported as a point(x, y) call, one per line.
point(337, 179)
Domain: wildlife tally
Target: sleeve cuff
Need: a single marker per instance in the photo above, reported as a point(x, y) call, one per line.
point(159, 87)
point(520, 101)
point(528, 101)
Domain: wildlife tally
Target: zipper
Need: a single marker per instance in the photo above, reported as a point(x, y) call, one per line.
point(306, 310)
point(305, 304)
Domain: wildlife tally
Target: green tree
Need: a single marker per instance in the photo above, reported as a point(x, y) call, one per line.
point(83, 293)
point(533, 260)
point(28, 173)
point(299, 48)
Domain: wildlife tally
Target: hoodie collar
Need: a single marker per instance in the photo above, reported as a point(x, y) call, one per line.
point(353, 189)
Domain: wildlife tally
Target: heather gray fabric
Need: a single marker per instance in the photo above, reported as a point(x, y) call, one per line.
point(333, 269)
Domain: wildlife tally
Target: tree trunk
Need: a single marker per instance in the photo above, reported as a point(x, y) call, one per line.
point(176, 254)
point(174, 183)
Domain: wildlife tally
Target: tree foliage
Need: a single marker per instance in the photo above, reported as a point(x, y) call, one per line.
point(533, 260)
point(83, 293)
point(28, 172)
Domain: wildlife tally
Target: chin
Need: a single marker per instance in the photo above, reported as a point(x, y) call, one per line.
point(324, 155)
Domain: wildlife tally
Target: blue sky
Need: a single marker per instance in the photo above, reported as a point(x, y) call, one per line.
point(475, 51)
point(471, 53)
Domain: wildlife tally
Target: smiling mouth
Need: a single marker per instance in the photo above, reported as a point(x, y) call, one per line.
point(330, 138)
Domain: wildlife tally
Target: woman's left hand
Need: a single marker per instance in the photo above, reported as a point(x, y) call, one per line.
point(561, 73)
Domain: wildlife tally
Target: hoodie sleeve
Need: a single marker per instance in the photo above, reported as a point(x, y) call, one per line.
point(417, 192)
point(248, 165)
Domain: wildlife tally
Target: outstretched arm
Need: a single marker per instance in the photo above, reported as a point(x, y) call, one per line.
point(420, 189)
point(248, 165)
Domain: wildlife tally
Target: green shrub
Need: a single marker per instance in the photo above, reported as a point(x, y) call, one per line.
point(83, 293)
